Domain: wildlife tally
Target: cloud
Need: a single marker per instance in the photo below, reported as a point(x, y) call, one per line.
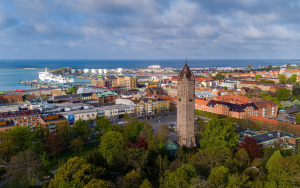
point(149, 29)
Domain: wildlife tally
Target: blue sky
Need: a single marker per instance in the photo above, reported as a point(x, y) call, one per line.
point(149, 29)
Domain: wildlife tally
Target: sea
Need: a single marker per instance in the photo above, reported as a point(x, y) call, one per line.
point(11, 71)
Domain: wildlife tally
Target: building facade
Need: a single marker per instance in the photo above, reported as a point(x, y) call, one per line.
point(186, 108)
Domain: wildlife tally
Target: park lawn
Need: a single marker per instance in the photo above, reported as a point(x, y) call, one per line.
point(68, 153)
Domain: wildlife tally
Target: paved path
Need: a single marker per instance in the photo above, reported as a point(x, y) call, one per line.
point(5, 181)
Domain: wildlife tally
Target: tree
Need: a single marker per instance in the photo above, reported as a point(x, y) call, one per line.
point(225, 88)
point(286, 104)
point(96, 183)
point(241, 159)
point(77, 144)
point(219, 76)
point(293, 78)
point(218, 177)
point(64, 132)
point(76, 172)
point(7, 149)
point(20, 137)
point(297, 118)
point(111, 145)
point(162, 164)
point(282, 78)
point(285, 172)
point(24, 167)
point(272, 161)
point(181, 178)
point(146, 184)
point(134, 158)
point(103, 124)
point(209, 158)
point(95, 158)
point(249, 66)
point(296, 102)
point(54, 144)
point(251, 146)
point(258, 76)
point(133, 179)
point(73, 90)
point(44, 97)
point(80, 129)
point(296, 91)
point(283, 93)
point(219, 133)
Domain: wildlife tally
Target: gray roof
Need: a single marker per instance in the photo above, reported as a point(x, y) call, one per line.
point(269, 136)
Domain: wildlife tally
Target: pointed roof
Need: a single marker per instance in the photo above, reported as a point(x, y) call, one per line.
point(186, 72)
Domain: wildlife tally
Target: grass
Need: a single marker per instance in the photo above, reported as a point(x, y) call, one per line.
point(68, 153)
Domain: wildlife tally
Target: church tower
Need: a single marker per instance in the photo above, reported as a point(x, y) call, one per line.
point(186, 108)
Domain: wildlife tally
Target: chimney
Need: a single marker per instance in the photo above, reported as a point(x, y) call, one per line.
point(278, 137)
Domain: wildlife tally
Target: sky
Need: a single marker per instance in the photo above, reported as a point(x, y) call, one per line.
point(149, 29)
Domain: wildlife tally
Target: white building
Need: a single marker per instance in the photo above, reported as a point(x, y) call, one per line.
point(104, 71)
point(86, 71)
point(154, 67)
point(73, 71)
point(100, 71)
point(93, 71)
point(120, 70)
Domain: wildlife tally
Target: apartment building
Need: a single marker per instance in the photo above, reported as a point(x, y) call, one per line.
point(105, 96)
point(6, 124)
point(238, 106)
point(23, 118)
point(53, 122)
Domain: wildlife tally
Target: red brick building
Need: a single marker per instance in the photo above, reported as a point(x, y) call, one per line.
point(53, 122)
point(23, 118)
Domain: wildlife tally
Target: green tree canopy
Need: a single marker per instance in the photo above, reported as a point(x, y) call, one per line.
point(80, 129)
point(219, 76)
point(272, 161)
point(283, 93)
point(181, 178)
point(282, 78)
point(103, 124)
point(111, 145)
point(218, 177)
point(219, 133)
point(293, 78)
point(258, 76)
point(296, 91)
point(76, 172)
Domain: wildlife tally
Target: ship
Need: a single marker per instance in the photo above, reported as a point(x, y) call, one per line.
point(47, 76)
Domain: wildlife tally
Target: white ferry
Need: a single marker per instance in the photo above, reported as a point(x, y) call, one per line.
point(49, 77)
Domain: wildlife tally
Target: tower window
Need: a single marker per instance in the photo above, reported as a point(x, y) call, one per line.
point(190, 100)
point(179, 99)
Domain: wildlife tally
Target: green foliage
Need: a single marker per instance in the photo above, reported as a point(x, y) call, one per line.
point(285, 172)
point(219, 133)
point(103, 124)
point(72, 90)
point(283, 93)
point(77, 144)
point(282, 78)
point(241, 159)
point(181, 178)
point(219, 76)
point(225, 88)
point(266, 81)
point(96, 183)
point(76, 173)
point(297, 118)
point(133, 179)
point(209, 158)
point(80, 129)
point(296, 91)
point(218, 177)
point(146, 184)
point(293, 78)
point(20, 137)
point(134, 158)
point(296, 102)
point(24, 167)
point(286, 104)
point(111, 145)
point(272, 161)
point(258, 76)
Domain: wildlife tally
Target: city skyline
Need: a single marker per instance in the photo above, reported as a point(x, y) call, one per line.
point(116, 29)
